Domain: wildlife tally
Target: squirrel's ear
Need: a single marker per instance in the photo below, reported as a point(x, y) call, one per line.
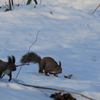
point(13, 59)
point(59, 64)
point(9, 59)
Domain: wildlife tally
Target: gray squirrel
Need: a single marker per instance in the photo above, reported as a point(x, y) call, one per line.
point(7, 67)
point(46, 64)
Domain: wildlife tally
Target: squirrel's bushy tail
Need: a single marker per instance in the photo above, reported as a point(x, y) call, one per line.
point(30, 57)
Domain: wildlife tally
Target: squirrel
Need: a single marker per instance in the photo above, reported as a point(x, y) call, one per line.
point(7, 67)
point(46, 64)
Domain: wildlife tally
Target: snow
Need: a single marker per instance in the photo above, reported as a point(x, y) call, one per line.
point(68, 32)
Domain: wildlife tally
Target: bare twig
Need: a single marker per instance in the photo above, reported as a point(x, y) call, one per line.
point(96, 9)
point(33, 42)
point(21, 65)
point(27, 55)
point(18, 72)
point(56, 90)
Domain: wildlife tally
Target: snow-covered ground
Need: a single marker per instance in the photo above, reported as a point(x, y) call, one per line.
point(68, 32)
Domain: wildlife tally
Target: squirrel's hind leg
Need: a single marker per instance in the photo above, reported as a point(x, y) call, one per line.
point(40, 71)
point(46, 74)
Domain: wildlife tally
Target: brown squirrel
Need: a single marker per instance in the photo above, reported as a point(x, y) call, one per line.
point(48, 64)
point(7, 67)
point(65, 96)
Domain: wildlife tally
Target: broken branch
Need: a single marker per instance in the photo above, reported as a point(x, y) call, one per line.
point(22, 65)
point(28, 52)
point(55, 90)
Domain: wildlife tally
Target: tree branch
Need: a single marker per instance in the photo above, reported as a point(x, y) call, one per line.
point(55, 90)
point(33, 42)
point(27, 55)
point(22, 65)
point(96, 9)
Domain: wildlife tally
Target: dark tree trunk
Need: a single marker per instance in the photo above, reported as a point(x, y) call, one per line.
point(12, 2)
point(10, 6)
point(29, 1)
point(35, 2)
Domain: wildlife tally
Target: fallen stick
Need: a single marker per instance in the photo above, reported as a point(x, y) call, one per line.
point(22, 65)
point(55, 90)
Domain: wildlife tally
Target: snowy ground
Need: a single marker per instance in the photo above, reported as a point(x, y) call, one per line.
point(68, 32)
